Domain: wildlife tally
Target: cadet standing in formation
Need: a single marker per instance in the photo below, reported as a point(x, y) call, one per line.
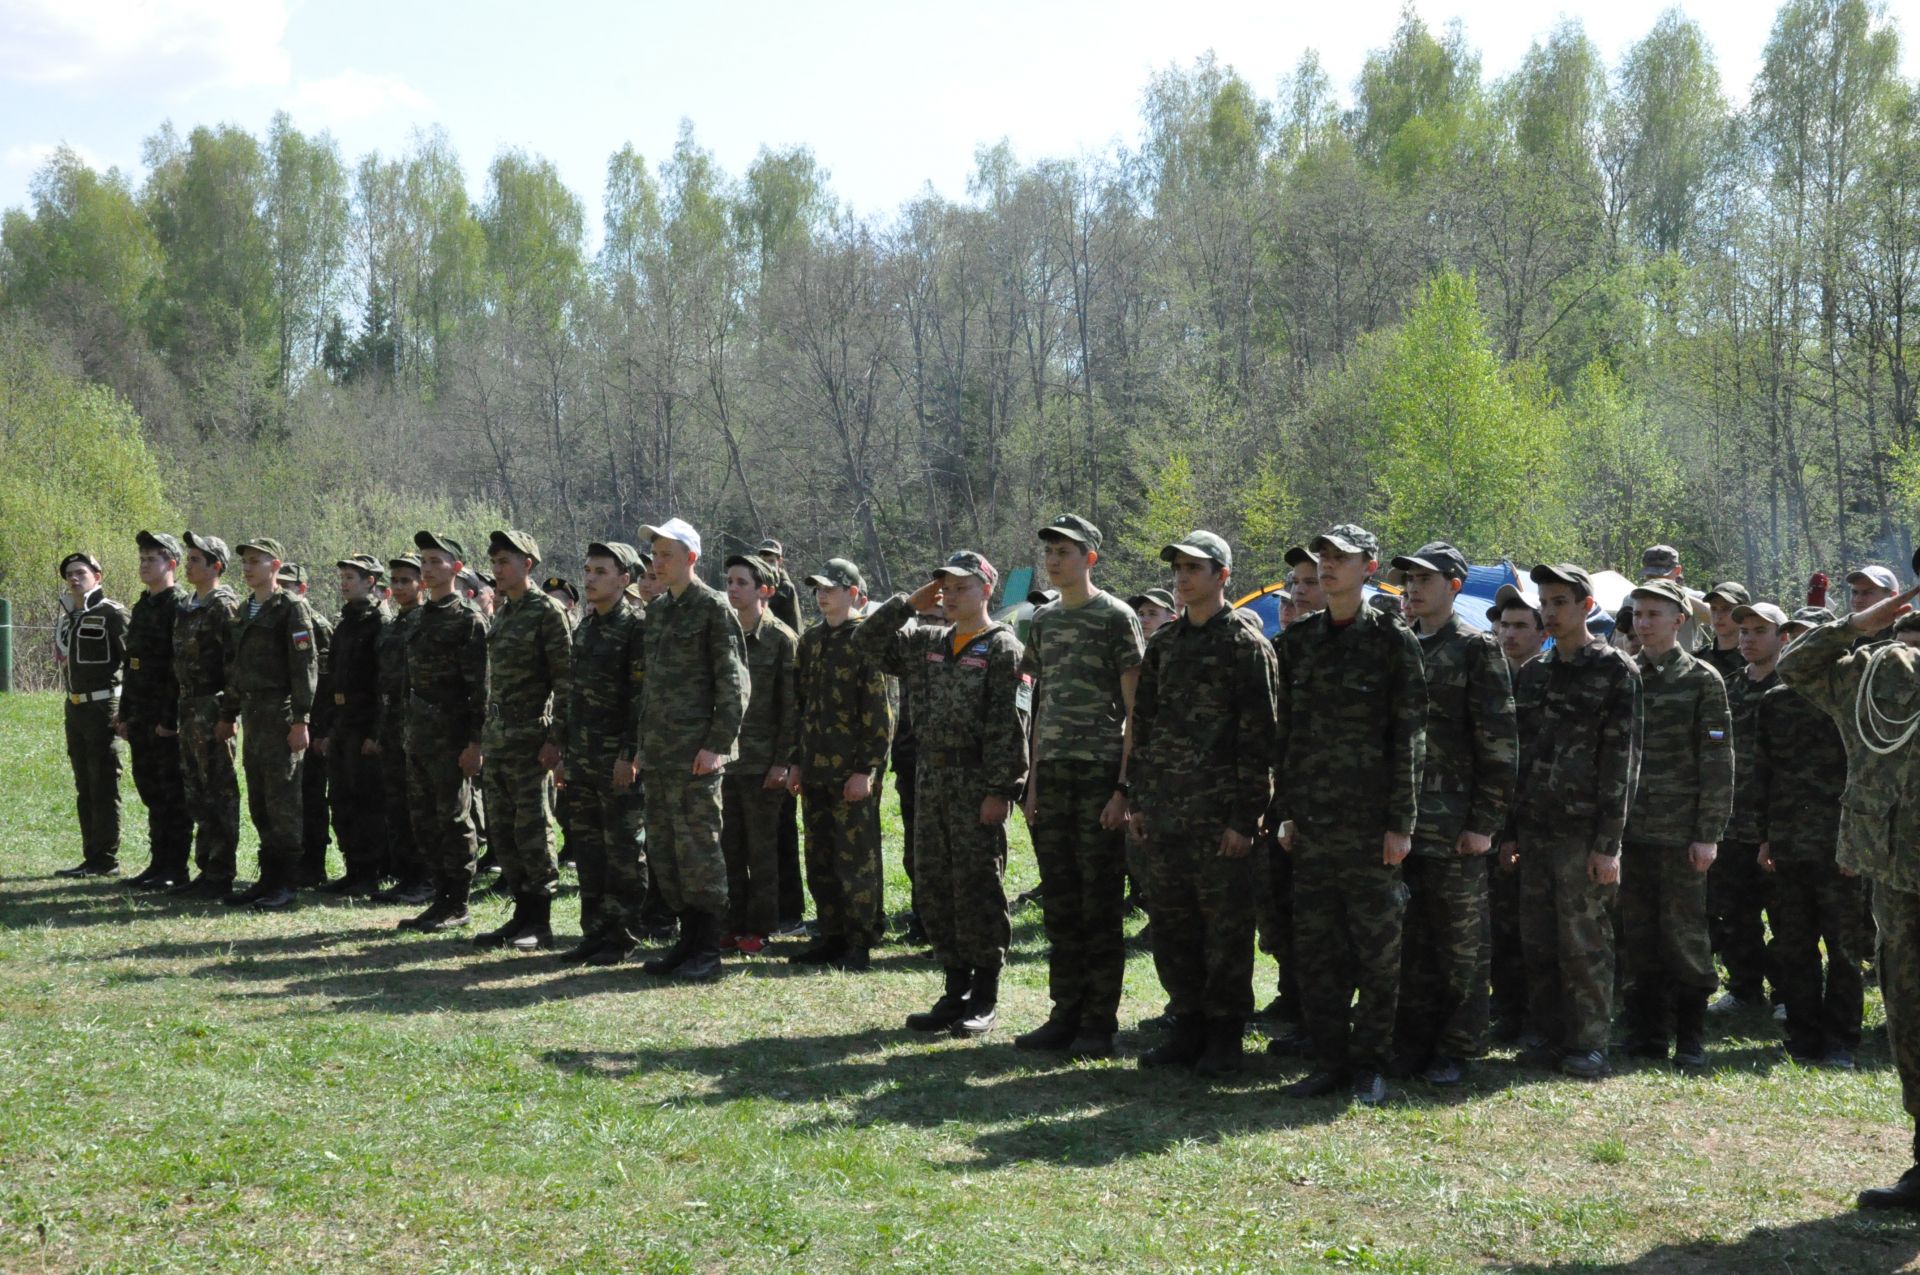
point(406, 860)
point(149, 717)
point(314, 818)
point(203, 631)
point(754, 787)
point(356, 787)
point(93, 639)
point(1738, 891)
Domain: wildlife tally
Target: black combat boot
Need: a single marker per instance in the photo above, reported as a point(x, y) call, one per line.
point(1058, 1032)
point(1221, 1054)
point(950, 1008)
point(823, 951)
point(1903, 1194)
point(503, 935)
point(703, 951)
point(536, 931)
point(677, 955)
point(583, 951)
point(1690, 1032)
point(983, 1000)
point(1186, 1041)
point(245, 898)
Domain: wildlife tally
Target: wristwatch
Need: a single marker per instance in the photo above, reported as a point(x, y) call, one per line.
point(1124, 788)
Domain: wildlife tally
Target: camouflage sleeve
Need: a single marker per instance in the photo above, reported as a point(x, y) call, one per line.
point(1820, 665)
point(636, 665)
point(885, 639)
point(476, 675)
point(1146, 708)
point(804, 656)
point(303, 661)
point(1129, 645)
point(1715, 742)
point(874, 724)
point(727, 647)
point(1003, 733)
point(1253, 733)
point(786, 709)
point(229, 703)
point(1761, 781)
point(1407, 750)
point(1282, 730)
point(1618, 764)
point(324, 715)
point(1496, 739)
point(556, 648)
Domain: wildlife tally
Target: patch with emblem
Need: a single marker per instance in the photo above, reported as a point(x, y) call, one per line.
point(936, 657)
point(1023, 694)
point(302, 639)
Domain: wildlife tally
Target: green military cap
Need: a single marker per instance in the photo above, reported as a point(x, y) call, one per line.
point(92, 562)
point(1765, 610)
point(1664, 589)
point(1158, 597)
point(1072, 527)
point(623, 554)
point(754, 565)
point(266, 546)
point(1299, 554)
point(485, 578)
point(1563, 573)
point(364, 563)
point(772, 546)
point(291, 573)
point(1436, 556)
point(559, 584)
point(445, 544)
point(1809, 617)
point(1658, 560)
point(407, 561)
point(966, 562)
point(213, 548)
point(1730, 591)
point(838, 574)
point(514, 542)
point(469, 579)
point(159, 540)
point(1347, 537)
point(1199, 544)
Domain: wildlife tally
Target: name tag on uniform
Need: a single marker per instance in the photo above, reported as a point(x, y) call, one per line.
point(973, 661)
point(936, 657)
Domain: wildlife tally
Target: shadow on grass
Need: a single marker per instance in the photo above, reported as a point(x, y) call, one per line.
point(1849, 1244)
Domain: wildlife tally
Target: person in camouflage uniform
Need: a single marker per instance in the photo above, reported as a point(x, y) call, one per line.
point(973, 707)
point(1869, 693)
point(1083, 653)
point(846, 723)
point(567, 597)
point(1345, 807)
point(1673, 833)
point(315, 818)
point(785, 602)
point(150, 713)
point(1722, 653)
point(530, 672)
point(447, 691)
point(602, 740)
point(1798, 782)
point(405, 861)
point(1203, 740)
point(1521, 633)
point(692, 698)
point(93, 643)
point(203, 627)
point(1579, 713)
point(1466, 789)
point(1737, 887)
point(272, 677)
point(754, 788)
point(356, 786)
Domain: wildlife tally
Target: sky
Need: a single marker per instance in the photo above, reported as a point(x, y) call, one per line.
point(893, 96)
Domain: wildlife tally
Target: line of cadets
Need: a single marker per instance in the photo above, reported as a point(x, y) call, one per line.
point(1424, 824)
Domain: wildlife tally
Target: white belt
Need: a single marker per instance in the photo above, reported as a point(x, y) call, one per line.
point(89, 698)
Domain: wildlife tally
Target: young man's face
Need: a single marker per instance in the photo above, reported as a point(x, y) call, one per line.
point(836, 602)
point(1429, 595)
point(651, 585)
point(1197, 581)
point(1307, 593)
point(1863, 593)
point(1343, 573)
point(1759, 641)
point(258, 570)
point(1564, 609)
point(155, 566)
point(438, 568)
point(406, 586)
point(510, 569)
point(81, 578)
point(201, 571)
point(1153, 617)
point(355, 585)
point(745, 592)
point(1520, 632)
point(1724, 629)
point(672, 562)
point(1067, 561)
point(962, 597)
point(602, 582)
point(1656, 622)
point(1289, 613)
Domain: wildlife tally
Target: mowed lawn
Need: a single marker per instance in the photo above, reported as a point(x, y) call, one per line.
point(186, 1088)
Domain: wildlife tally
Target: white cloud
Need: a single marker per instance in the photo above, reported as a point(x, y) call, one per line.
point(29, 156)
point(354, 95)
point(185, 45)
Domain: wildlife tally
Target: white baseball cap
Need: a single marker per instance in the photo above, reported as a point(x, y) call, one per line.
point(673, 529)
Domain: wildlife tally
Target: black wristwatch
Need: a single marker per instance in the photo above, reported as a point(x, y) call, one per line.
point(1124, 788)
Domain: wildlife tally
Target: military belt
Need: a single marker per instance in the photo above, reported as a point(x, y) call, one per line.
point(90, 697)
point(960, 757)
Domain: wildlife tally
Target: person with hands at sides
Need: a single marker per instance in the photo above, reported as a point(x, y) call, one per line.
point(754, 788)
point(1203, 748)
point(92, 649)
point(355, 782)
point(203, 627)
point(149, 717)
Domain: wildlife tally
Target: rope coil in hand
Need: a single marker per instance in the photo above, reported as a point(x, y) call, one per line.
point(1887, 733)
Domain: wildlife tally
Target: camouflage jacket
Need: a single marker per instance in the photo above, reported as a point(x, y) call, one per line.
point(846, 718)
point(94, 639)
point(447, 670)
point(1203, 721)
point(693, 694)
point(393, 672)
point(1077, 657)
point(530, 669)
point(202, 630)
point(1743, 706)
point(972, 706)
point(1686, 753)
point(151, 694)
point(272, 656)
point(323, 705)
point(1880, 811)
point(773, 706)
point(353, 668)
point(1579, 746)
point(1727, 662)
point(1352, 725)
point(1799, 777)
point(785, 603)
point(1473, 742)
point(600, 725)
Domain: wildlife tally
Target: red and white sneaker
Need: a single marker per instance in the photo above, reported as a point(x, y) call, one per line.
point(749, 944)
point(730, 943)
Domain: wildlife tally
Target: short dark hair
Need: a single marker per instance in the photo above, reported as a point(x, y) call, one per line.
point(1521, 604)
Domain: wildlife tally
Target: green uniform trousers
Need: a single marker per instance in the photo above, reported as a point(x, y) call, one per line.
point(1445, 954)
point(683, 842)
point(1083, 890)
point(273, 787)
point(960, 869)
point(442, 798)
point(1663, 915)
point(750, 843)
point(1201, 909)
point(1811, 905)
point(1566, 936)
point(843, 864)
point(519, 801)
point(607, 853)
point(94, 752)
point(212, 788)
point(1348, 912)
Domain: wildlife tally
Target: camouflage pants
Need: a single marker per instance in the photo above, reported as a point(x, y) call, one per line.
point(793, 891)
point(1200, 905)
point(1348, 912)
point(519, 798)
point(212, 789)
point(1275, 887)
point(1896, 913)
point(1566, 934)
point(1663, 912)
point(1812, 903)
point(607, 851)
point(273, 787)
point(94, 752)
point(904, 763)
point(1737, 893)
point(157, 778)
point(314, 819)
point(1083, 890)
point(1444, 958)
point(442, 798)
point(404, 860)
point(1508, 965)
point(358, 799)
point(683, 842)
point(843, 864)
point(961, 881)
point(750, 841)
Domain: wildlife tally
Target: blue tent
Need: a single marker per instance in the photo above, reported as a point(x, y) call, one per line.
point(1470, 604)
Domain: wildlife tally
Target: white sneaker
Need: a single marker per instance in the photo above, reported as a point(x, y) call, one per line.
point(1779, 1013)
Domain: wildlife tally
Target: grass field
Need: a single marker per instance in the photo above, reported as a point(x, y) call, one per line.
point(183, 1088)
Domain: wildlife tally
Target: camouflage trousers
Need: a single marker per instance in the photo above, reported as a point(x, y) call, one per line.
point(1566, 935)
point(1896, 914)
point(607, 851)
point(93, 750)
point(1083, 890)
point(1508, 965)
point(357, 795)
point(1663, 915)
point(1200, 905)
point(404, 860)
point(750, 842)
point(843, 864)
point(442, 798)
point(157, 778)
point(274, 791)
point(315, 819)
point(683, 842)
point(519, 802)
point(1737, 895)
point(1813, 904)
point(1274, 885)
point(793, 886)
point(1348, 912)
point(905, 765)
point(960, 881)
point(1444, 958)
point(212, 788)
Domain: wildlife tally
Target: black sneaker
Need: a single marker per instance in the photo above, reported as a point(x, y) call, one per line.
point(823, 952)
point(1539, 1055)
point(88, 870)
point(1089, 1046)
point(278, 899)
point(1590, 1065)
point(854, 960)
point(248, 897)
point(1316, 1084)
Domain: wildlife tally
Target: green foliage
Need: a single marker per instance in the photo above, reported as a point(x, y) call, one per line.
point(1173, 507)
point(86, 234)
point(1629, 490)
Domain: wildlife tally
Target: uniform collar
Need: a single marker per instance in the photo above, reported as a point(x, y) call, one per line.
point(1663, 664)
